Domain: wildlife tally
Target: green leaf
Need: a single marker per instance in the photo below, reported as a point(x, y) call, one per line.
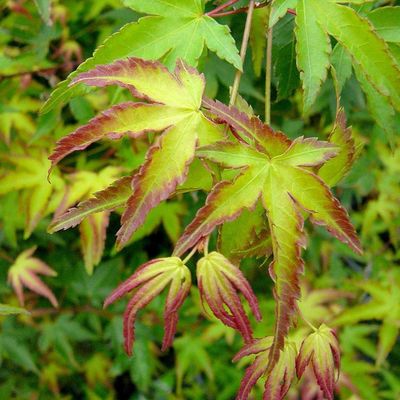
point(379, 106)
point(386, 22)
point(44, 8)
point(279, 9)
point(258, 37)
point(286, 75)
point(353, 32)
point(5, 309)
point(313, 49)
point(341, 64)
point(19, 354)
point(384, 305)
point(175, 29)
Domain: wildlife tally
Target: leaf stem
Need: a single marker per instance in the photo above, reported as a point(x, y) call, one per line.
point(239, 10)
point(221, 7)
point(190, 255)
point(206, 246)
point(268, 74)
point(243, 49)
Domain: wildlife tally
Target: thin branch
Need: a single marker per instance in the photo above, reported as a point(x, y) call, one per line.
point(221, 7)
point(268, 74)
point(239, 10)
point(243, 49)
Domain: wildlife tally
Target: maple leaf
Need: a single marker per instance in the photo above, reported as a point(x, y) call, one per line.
point(92, 213)
point(278, 380)
point(174, 110)
point(254, 239)
point(384, 305)
point(29, 175)
point(219, 281)
point(173, 29)
point(374, 64)
point(277, 170)
point(24, 272)
point(321, 350)
point(337, 167)
point(153, 277)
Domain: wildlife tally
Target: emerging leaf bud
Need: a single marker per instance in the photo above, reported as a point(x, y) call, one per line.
point(219, 283)
point(278, 380)
point(321, 349)
point(153, 277)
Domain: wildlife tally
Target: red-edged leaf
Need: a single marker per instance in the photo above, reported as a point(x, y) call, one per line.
point(130, 118)
point(321, 349)
point(220, 282)
point(93, 237)
point(165, 168)
point(108, 199)
point(149, 80)
point(148, 281)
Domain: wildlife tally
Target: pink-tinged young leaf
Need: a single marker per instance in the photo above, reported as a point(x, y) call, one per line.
point(220, 283)
point(321, 350)
point(93, 236)
point(257, 368)
point(24, 272)
point(148, 281)
point(150, 80)
point(286, 185)
point(279, 380)
point(130, 118)
point(165, 168)
point(336, 168)
point(108, 199)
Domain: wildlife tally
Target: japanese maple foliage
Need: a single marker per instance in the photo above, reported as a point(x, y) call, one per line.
point(267, 167)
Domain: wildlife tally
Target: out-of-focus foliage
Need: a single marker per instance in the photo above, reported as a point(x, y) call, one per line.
point(76, 350)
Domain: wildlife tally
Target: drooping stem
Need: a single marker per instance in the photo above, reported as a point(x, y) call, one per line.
point(268, 74)
point(243, 49)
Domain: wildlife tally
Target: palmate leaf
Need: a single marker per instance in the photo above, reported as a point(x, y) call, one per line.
point(28, 173)
point(316, 20)
point(384, 305)
point(174, 110)
point(24, 272)
point(337, 167)
point(279, 172)
point(174, 29)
